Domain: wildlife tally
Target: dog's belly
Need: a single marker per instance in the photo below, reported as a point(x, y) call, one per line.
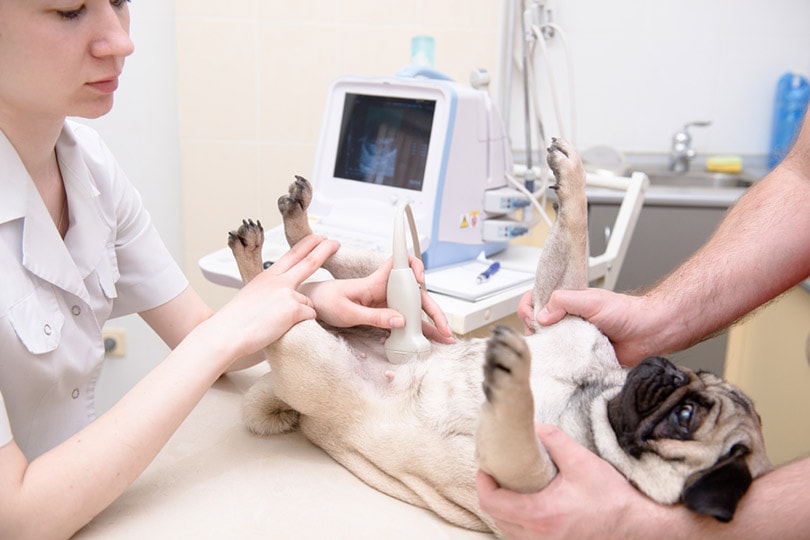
point(449, 374)
point(571, 362)
point(409, 429)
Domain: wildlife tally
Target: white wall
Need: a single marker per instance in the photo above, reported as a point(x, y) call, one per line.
point(142, 132)
point(643, 69)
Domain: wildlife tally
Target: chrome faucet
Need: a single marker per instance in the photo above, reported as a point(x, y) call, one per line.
point(682, 151)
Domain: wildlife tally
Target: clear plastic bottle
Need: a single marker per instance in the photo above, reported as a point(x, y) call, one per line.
point(792, 95)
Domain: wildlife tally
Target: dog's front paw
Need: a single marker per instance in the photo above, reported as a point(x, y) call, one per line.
point(506, 443)
point(248, 238)
point(507, 364)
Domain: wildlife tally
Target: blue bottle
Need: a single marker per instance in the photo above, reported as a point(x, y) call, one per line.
point(792, 95)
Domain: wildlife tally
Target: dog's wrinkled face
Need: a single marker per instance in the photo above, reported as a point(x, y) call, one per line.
point(697, 421)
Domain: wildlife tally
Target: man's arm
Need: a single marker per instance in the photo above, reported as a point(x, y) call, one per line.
point(590, 499)
point(761, 249)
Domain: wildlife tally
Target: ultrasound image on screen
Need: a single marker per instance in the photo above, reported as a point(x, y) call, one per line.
point(384, 140)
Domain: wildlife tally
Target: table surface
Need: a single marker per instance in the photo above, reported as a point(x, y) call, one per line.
point(214, 479)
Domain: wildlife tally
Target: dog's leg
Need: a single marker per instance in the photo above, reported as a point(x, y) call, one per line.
point(506, 445)
point(262, 411)
point(346, 262)
point(564, 260)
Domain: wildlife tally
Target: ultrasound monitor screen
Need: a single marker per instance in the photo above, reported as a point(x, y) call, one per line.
point(384, 140)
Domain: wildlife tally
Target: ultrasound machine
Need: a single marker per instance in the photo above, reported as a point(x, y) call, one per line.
point(441, 147)
point(419, 138)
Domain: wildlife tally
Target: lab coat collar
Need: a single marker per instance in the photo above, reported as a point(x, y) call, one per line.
point(45, 254)
point(13, 178)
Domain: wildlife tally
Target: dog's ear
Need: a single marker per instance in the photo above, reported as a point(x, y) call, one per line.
point(716, 491)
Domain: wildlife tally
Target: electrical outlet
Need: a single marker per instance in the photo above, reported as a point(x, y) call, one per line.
point(115, 341)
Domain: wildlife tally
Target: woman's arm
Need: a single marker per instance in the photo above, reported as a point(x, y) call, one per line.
point(60, 491)
point(174, 320)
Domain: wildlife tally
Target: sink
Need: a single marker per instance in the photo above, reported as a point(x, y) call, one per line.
point(697, 178)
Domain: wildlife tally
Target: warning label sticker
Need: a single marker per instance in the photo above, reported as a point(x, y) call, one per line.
point(470, 220)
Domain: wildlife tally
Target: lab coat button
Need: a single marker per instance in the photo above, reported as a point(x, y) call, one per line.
point(75, 393)
point(76, 310)
point(47, 329)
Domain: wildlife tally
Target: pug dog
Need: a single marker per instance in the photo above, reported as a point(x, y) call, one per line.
point(418, 431)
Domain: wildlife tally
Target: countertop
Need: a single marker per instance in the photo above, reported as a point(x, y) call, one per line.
point(673, 196)
point(214, 479)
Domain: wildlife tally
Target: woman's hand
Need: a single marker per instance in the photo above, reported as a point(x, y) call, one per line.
point(270, 304)
point(352, 302)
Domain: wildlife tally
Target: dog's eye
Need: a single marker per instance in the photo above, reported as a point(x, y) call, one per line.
point(678, 423)
point(684, 415)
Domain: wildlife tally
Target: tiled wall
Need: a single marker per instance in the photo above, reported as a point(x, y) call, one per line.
point(253, 76)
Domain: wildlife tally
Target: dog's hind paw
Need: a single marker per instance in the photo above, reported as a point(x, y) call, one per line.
point(297, 199)
point(248, 237)
point(246, 246)
point(566, 166)
point(293, 207)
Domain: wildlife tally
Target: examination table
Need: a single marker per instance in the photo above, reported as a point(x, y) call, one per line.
point(214, 479)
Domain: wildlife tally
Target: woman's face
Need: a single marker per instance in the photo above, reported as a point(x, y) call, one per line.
point(61, 57)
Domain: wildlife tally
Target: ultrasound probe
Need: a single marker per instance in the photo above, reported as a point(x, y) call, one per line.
point(405, 296)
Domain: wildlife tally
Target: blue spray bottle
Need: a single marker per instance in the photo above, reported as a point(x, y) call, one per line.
point(792, 95)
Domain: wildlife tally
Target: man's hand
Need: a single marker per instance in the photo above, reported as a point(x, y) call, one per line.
point(626, 320)
point(587, 499)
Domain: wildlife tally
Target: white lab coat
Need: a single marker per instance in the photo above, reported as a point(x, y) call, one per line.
point(56, 295)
